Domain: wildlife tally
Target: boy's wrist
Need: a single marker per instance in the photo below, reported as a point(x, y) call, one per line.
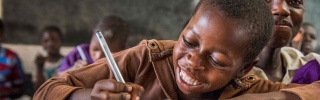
point(80, 94)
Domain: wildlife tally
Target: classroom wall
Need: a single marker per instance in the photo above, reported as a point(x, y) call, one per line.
point(159, 19)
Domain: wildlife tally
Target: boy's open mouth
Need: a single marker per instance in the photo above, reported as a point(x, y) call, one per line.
point(189, 80)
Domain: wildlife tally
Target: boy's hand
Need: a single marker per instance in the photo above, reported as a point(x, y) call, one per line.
point(40, 61)
point(110, 89)
point(79, 64)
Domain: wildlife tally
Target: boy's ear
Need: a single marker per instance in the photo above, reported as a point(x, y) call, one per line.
point(247, 68)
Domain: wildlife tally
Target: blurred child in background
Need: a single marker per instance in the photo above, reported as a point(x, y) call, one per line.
point(309, 42)
point(115, 31)
point(11, 72)
point(51, 40)
point(278, 61)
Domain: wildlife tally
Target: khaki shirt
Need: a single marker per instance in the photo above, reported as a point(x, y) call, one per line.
point(150, 65)
point(293, 59)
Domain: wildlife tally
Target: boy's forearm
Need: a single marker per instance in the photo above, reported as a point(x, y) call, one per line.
point(81, 94)
point(40, 78)
point(55, 89)
point(307, 92)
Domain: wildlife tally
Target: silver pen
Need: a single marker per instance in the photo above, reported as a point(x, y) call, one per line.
point(113, 65)
point(82, 55)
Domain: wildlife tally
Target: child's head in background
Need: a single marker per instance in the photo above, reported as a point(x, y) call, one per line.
point(115, 31)
point(220, 43)
point(288, 17)
point(51, 40)
point(309, 41)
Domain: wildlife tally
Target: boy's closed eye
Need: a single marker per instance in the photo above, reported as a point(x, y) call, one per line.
point(188, 43)
point(215, 62)
point(212, 59)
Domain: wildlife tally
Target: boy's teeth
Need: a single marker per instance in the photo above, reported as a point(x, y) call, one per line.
point(188, 79)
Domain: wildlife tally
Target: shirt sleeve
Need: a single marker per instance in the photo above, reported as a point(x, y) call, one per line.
point(308, 92)
point(69, 60)
point(18, 73)
point(129, 62)
point(257, 85)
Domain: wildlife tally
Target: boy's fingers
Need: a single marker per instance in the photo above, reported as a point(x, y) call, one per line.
point(137, 91)
point(113, 86)
point(118, 96)
point(106, 95)
point(82, 62)
point(78, 64)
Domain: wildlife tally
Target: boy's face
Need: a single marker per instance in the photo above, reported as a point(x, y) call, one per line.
point(288, 15)
point(51, 42)
point(309, 42)
point(95, 49)
point(209, 53)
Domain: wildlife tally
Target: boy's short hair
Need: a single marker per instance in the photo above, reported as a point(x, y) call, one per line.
point(52, 28)
point(117, 29)
point(254, 16)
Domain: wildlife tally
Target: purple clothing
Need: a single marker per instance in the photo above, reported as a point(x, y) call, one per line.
point(308, 73)
point(74, 56)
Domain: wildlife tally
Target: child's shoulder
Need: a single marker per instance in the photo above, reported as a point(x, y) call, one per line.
point(308, 73)
point(84, 47)
point(158, 44)
point(9, 53)
point(148, 50)
point(254, 84)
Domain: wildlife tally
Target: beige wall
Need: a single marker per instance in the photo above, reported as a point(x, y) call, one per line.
point(27, 54)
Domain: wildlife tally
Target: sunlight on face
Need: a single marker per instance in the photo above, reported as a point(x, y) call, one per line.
point(208, 53)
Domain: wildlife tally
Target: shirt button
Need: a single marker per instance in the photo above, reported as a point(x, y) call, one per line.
point(250, 78)
point(152, 45)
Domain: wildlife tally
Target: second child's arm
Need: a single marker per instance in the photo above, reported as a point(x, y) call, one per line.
point(39, 72)
point(131, 63)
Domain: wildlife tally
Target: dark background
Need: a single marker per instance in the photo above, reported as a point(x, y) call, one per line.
point(148, 19)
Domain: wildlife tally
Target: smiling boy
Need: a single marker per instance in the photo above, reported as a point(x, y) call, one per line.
point(209, 61)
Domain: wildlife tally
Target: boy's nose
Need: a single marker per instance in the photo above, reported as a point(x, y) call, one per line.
point(194, 62)
point(50, 43)
point(279, 8)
